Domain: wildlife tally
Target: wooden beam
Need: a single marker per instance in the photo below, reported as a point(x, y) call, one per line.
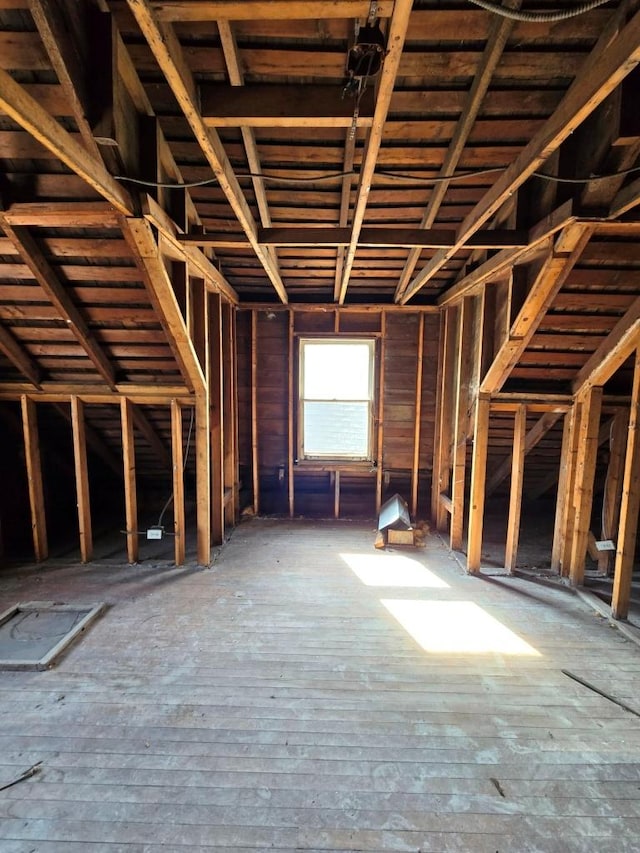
point(551, 276)
point(266, 10)
point(179, 527)
point(345, 206)
point(618, 431)
point(501, 264)
point(65, 59)
point(500, 30)
point(203, 479)
point(255, 470)
point(614, 56)
point(385, 82)
point(139, 236)
point(515, 498)
point(370, 237)
point(565, 489)
point(28, 113)
point(230, 411)
point(533, 437)
point(169, 56)
point(290, 414)
point(417, 422)
point(130, 489)
point(478, 477)
point(34, 478)
point(626, 199)
point(216, 405)
point(585, 474)
point(630, 507)
point(20, 359)
point(442, 451)
point(435, 465)
point(380, 414)
point(461, 419)
point(82, 480)
point(612, 353)
point(83, 214)
point(44, 274)
point(277, 105)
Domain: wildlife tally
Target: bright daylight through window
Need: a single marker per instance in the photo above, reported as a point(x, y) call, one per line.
point(336, 399)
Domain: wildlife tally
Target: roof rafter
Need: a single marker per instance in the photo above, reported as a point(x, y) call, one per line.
point(166, 48)
point(44, 274)
point(614, 56)
point(395, 42)
point(21, 360)
point(267, 10)
point(501, 28)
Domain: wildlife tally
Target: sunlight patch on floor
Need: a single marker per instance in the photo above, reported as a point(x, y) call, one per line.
point(392, 570)
point(456, 627)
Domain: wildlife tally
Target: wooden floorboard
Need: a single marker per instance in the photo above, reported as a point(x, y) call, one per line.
point(274, 702)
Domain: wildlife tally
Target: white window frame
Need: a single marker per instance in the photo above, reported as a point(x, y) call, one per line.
point(370, 342)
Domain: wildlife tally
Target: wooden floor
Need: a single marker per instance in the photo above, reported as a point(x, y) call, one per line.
point(276, 702)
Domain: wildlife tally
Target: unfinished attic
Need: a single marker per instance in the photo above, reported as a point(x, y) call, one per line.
point(265, 265)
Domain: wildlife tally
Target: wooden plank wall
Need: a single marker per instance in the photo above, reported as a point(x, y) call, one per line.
point(315, 491)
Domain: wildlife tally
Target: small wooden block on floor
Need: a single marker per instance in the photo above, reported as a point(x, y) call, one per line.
point(400, 537)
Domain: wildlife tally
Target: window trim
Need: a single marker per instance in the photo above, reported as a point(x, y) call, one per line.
point(371, 340)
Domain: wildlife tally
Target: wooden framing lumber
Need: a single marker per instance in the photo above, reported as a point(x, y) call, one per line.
point(255, 461)
point(290, 409)
point(380, 420)
point(216, 406)
point(585, 473)
point(442, 451)
point(204, 496)
point(626, 543)
point(268, 10)
point(28, 113)
point(129, 468)
point(177, 455)
point(564, 477)
point(435, 465)
point(20, 359)
point(138, 234)
point(553, 273)
point(230, 441)
point(462, 401)
point(478, 476)
point(395, 41)
point(415, 470)
point(44, 274)
point(617, 441)
point(607, 65)
point(614, 350)
point(169, 56)
point(517, 479)
point(34, 479)
point(82, 479)
point(500, 30)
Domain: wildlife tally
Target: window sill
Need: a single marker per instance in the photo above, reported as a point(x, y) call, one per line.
point(342, 465)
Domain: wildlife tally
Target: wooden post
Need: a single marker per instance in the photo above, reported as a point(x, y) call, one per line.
point(178, 482)
point(585, 473)
point(564, 477)
point(515, 497)
point(34, 477)
point(568, 511)
point(626, 546)
point(613, 486)
point(236, 424)
point(82, 479)
point(478, 479)
point(442, 470)
point(254, 413)
point(230, 424)
point(129, 467)
point(203, 478)
point(290, 422)
point(336, 495)
point(415, 472)
point(380, 437)
point(461, 420)
point(435, 468)
point(217, 420)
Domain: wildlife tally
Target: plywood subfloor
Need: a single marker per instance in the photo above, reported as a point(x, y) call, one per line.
point(275, 703)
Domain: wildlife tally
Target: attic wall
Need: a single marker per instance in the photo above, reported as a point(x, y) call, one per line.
point(314, 489)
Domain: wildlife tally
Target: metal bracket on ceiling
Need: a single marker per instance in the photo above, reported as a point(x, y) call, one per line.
point(373, 13)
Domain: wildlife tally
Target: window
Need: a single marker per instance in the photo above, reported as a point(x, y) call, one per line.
point(336, 398)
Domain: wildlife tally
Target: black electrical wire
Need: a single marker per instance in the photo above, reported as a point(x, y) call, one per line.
point(538, 17)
